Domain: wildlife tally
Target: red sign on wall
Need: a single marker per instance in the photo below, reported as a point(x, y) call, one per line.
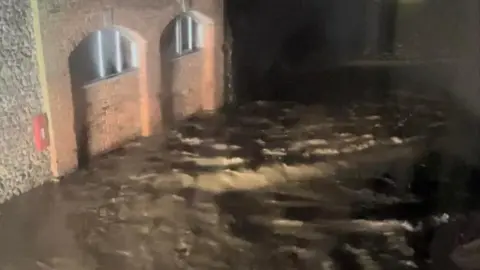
point(40, 132)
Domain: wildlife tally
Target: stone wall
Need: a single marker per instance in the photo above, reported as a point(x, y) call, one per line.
point(21, 167)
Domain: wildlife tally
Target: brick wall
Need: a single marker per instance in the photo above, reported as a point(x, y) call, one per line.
point(112, 112)
point(65, 23)
point(194, 79)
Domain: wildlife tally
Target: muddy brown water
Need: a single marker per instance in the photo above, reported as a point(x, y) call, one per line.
point(268, 186)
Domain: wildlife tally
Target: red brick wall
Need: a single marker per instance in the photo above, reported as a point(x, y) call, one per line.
point(194, 79)
point(65, 23)
point(186, 100)
point(112, 112)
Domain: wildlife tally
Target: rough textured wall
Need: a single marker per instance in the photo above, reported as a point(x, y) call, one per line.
point(21, 167)
point(72, 20)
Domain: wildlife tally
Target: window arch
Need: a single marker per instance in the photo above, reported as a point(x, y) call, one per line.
point(188, 34)
point(106, 53)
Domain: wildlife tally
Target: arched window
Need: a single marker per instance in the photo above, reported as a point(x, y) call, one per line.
point(116, 53)
point(103, 54)
point(188, 35)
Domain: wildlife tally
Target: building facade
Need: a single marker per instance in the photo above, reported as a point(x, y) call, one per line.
point(78, 78)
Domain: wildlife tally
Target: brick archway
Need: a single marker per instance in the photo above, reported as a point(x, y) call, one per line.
point(99, 96)
point(108, 91)
point(188, 79)
point(62, 32)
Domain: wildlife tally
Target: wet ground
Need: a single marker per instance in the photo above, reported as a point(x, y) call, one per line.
point(268, 186)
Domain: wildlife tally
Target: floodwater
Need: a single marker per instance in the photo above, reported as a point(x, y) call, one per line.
point(267, 186)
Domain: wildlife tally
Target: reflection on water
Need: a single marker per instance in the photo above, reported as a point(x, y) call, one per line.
point(271, 186)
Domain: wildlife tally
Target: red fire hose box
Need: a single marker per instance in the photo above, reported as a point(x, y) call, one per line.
point(40, 132)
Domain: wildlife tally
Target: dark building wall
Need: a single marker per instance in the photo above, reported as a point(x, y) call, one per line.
point(294, 38)
point(21, 167)
point(429, 29)
point(432, 32)
point(291, 33)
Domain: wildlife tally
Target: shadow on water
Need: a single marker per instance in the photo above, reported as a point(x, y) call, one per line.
point(407, 191)
point(423, 205)
point(308, 217)
point(313, 219)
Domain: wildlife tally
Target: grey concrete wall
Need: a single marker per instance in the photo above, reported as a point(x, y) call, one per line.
point(21, 167)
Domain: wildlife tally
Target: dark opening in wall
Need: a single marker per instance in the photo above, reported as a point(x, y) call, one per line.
point(316, 50)
point(274, 43)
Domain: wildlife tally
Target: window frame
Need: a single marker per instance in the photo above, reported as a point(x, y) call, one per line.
point(194, 35)
point(119, 58)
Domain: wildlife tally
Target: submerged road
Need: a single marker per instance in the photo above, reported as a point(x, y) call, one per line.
point(267, 186)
